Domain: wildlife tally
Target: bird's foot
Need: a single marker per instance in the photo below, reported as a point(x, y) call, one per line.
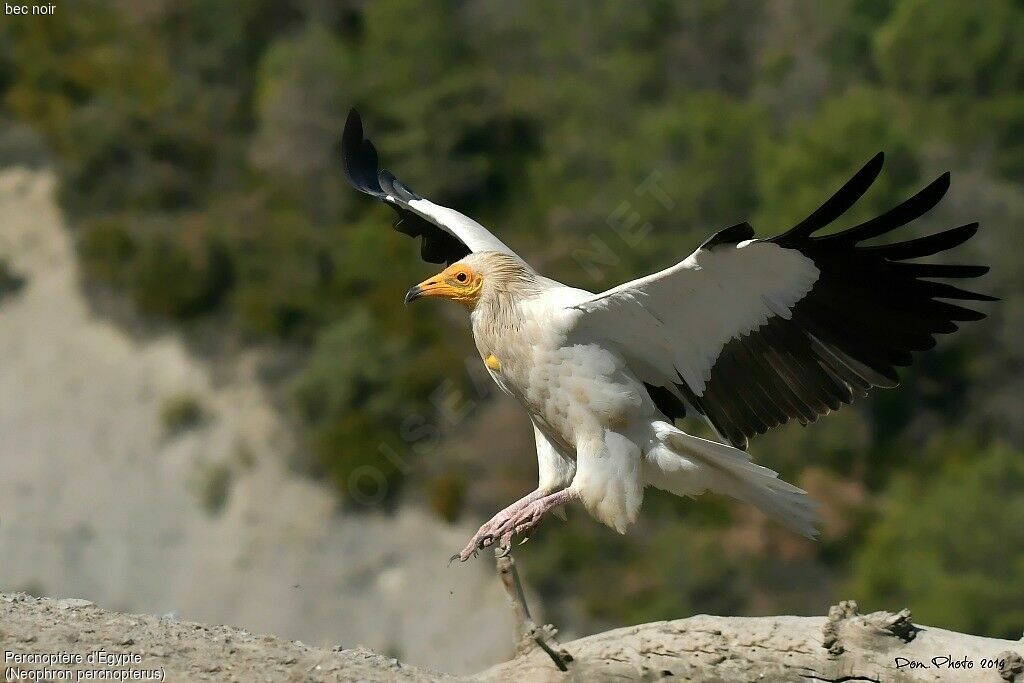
point(530, 517)
point(488, 534)
point(518, 518)
point(495, 528)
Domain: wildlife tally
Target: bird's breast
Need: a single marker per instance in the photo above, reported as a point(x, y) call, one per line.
point(571, 390)
point(566, 386)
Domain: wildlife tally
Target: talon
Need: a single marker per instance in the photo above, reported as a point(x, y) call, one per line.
point(505, 551)
point(456, 556)
point(525, 539)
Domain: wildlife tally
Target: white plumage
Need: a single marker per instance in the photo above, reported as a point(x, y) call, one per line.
point(746, 333)
point(600, 435)
point(680, 318)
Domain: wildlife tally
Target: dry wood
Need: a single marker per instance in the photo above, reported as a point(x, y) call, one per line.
point(845, 646)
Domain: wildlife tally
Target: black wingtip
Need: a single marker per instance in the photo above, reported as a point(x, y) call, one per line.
point(898, 216)
point(836, 205)
point(873, 167)
point(352, 136)
point(869, 171)
point(939, 187)
point(359, 157)
point(362, 170)
point(925, 246)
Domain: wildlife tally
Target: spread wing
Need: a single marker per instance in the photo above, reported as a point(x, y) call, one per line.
point(752, 333)
point(446, 235)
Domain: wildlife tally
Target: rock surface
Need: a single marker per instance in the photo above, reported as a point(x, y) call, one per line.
point(846, 646)
point(179, 650)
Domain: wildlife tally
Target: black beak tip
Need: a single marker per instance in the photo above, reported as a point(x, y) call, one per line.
point(413, 294)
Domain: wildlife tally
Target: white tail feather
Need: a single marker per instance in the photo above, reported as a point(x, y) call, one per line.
point(687, 465)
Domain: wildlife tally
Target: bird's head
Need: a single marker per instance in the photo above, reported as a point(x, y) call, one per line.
point(473, 278)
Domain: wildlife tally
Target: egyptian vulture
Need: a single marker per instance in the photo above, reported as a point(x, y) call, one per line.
point(747, 333)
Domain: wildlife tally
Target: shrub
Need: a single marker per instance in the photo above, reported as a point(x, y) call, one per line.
point(212, 485)
point(447, 493)
point(106, 249)
point(169, 278)
point(180, 413)
point(10, 281)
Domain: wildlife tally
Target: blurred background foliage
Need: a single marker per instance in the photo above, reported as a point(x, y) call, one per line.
point(197, 148)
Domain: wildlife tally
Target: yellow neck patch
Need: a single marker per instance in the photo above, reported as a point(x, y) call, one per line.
point(492, 362)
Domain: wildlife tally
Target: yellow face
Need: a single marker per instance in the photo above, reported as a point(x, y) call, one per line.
point(458, 282)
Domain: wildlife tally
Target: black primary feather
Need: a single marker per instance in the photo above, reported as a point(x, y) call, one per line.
point(362, 170)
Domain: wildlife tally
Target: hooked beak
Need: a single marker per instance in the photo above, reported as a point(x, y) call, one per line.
point(414, 293)
point(434, 287)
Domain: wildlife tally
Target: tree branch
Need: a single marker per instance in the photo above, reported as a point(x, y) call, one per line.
point(845, 646)
point(530, 636)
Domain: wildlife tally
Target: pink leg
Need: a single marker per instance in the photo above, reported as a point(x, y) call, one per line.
point(531, 516)
point(497, 526)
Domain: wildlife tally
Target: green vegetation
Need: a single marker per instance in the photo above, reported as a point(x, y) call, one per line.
point(950, 544)
point(196, 144)
point(10, 282)
point(180, 412)
point(447, 495)
point(212, 486)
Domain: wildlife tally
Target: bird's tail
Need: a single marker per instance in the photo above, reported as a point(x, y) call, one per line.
point(688, 465)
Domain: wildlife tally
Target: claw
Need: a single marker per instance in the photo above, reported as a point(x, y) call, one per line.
point(456, 556)
point(505, 551)
point(525, 539)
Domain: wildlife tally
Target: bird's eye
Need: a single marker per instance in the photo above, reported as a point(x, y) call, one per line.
point(461, 277)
